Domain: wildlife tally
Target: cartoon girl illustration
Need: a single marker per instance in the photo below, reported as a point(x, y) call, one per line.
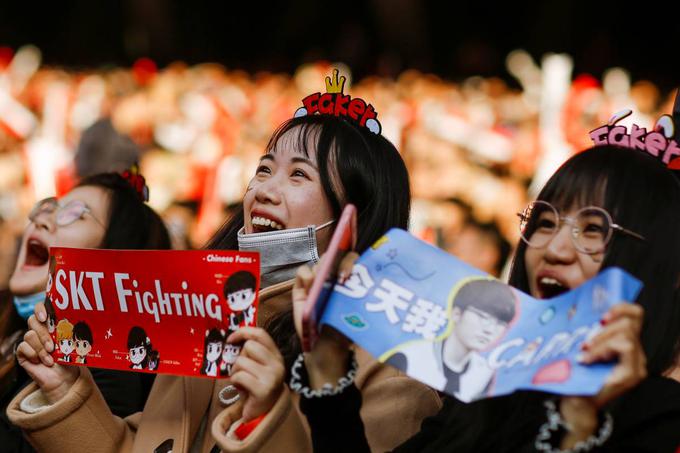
point(141, 352)
point(65, 339)
point(239, 290)
point(212, 349)
point(82, 335)
point(229, 354)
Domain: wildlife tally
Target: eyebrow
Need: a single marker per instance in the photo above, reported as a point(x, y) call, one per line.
point(296, 159)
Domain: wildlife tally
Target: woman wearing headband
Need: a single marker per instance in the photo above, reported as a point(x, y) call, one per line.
point(604, 207)
point(103, 211)
point(313, 166)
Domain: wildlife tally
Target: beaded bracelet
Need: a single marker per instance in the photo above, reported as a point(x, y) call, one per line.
point(556, 422)
point(299, 381)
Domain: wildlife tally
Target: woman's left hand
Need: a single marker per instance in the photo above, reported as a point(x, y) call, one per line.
point(619, 340)
point(258, 372)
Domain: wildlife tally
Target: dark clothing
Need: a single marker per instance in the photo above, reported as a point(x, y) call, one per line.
point(453, 378)
point(646, 419)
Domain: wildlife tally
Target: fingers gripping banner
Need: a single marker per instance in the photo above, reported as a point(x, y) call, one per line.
point(463, 332)
point(150, 311)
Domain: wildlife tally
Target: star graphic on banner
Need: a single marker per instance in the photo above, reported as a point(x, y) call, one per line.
point(191, 331)
point(108, 334)
point(392, 253)
point(127, 357)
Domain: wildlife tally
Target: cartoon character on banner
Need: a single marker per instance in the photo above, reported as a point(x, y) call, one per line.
point(229, 355)
point(82, 335)
point(49, 308)
point(212, 350)
point(239, 291)
point(65, 339)
point(482, 310)
point(141, 353)
point(51, 319)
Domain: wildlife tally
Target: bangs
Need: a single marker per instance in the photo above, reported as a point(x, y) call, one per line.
point(576, 186)
point(301, 137)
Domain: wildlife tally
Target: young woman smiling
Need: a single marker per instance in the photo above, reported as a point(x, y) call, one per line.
point(312, 167)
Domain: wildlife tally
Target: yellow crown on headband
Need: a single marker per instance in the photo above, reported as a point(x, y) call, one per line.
point(339, 84)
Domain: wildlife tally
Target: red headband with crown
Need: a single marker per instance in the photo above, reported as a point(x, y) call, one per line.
point(333, 102)
point(658, 142)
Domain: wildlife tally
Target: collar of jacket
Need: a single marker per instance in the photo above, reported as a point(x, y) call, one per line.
point(274, 299)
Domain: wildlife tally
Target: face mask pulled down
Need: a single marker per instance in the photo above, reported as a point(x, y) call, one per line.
point(282, 251)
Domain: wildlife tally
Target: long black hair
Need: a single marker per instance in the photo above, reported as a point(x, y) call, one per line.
point(355, 166)
point(643, 196)
point(132, 223)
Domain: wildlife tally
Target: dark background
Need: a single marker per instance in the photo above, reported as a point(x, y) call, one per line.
point(452, 39)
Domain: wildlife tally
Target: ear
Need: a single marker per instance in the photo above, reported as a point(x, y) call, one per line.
point(456, 314)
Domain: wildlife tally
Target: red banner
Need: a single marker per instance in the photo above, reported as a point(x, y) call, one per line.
point(150, 311)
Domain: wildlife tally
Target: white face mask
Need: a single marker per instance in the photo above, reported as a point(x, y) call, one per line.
point(282, 251)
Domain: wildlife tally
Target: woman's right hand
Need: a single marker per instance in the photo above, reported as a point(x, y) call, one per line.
point(33, 354)
point(327, 362)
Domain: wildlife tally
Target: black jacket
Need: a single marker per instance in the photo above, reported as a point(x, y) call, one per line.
point(646, 419)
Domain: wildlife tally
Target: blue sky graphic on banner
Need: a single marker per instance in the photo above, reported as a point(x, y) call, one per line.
point(463, 332)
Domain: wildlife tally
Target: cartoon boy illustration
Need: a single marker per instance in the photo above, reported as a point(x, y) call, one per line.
point(229, 355)
point(65, 339)
point(83, 338)
point(212, 350)
point(140, 351)
point(239, 290)
point(481, 314)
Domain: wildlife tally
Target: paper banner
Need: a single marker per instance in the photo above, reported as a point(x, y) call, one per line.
point(164, 312)
point(463, 332)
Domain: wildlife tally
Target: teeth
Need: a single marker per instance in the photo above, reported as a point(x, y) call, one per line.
point(262, 221)
point(550, 281)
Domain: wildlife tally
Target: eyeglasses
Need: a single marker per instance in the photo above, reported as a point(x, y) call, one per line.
point(487, 320)
point(591, 227)
point(65, 215)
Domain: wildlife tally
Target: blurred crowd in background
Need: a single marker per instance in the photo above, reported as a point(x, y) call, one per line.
point(475, 148)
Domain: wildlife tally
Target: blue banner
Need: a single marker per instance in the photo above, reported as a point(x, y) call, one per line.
point(462, 332)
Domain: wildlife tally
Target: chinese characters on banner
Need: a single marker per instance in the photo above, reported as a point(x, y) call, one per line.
point(463, 332)
point(151, 311)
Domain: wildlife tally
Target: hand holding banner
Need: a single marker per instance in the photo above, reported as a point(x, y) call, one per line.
point(152, 311)
point(463, 332)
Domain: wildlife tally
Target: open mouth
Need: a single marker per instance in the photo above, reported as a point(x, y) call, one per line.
point(37, 253)
point(263, 224)
point(550, 287)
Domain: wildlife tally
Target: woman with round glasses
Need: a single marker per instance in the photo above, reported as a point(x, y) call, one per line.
point(606, 206)
point(103, 211)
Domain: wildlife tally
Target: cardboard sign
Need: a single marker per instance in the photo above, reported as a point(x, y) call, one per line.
point(465, 333)
point(150, 311)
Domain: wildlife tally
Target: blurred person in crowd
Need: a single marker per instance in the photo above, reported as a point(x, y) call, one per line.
point(479, 244)
point(312, 167)
point(102, 149)
point(102, 211)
